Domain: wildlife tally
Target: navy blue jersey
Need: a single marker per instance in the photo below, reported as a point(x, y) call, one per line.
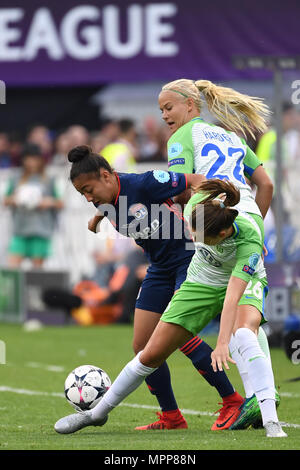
point(145, 211)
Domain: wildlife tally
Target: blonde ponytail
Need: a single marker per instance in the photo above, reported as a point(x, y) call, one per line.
point(235, 111)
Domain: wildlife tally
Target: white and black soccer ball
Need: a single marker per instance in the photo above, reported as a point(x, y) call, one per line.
point(85, 386)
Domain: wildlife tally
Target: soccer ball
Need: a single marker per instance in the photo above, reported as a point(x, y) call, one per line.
point(85, 386)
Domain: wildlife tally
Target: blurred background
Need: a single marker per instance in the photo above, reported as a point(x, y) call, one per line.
point(77, 73)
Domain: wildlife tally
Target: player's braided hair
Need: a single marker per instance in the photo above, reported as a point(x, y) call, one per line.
point(84, 160)
point(216, 213)
point(235, 111)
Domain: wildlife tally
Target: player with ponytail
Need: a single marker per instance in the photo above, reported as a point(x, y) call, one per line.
point(236, 111)
point(169, 259)
point(196, 146)
point(226, 274)
point(219, 151)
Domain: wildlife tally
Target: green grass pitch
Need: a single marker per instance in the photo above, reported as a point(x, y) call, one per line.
point(32, 387)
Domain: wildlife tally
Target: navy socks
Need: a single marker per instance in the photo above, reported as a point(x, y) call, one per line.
point(159, 384)
point(199, 353)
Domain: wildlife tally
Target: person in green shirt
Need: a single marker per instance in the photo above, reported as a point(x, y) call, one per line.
point(34, 200)
point(196, 146)
point(229, 246)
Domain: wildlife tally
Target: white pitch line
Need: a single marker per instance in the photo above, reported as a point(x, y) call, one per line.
point(48, 367)
point(21, 391)
point(289, 395)
point(150, 407)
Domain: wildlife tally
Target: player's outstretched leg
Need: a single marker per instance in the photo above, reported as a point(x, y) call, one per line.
point(127, 381)
point(77, 421)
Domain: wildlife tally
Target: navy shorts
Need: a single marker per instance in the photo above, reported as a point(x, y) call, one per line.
point(159, 286)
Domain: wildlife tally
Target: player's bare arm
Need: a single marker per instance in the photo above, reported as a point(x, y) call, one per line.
point(264, 191)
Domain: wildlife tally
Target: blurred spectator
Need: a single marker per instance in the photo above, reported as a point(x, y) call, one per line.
point(112, 303)
point(293, 141)
point(266, 147)
point(77, 135)
point(293, 171)
point(163, 137)
point(110, 132)
point(97, 141)
point(113, 250)
point(64, 141)
point(123, 152)
point(266, 152)
point(5, 157)
point(126, 282)
point(62, 145)
point(40, 135)
point(149, 141)
point(34, 201)
point(16, 148)
point(153, 140)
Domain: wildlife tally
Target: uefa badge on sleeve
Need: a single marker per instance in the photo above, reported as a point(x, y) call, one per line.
point(161, 176)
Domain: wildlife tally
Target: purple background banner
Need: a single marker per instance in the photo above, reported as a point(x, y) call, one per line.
point(67, 42)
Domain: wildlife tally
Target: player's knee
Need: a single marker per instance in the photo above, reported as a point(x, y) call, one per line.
point(245, 339)
point(137, 346)
point(151, 359)
point(139, 343)
point(243, 334)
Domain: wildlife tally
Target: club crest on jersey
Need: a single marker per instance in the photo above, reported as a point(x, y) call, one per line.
point(253, 260)
point(175, 150)
point(161, 176)
point(139, 211)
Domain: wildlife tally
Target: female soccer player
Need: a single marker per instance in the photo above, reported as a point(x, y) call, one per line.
point(196, 146)
point(226, 274)
point(140, 206)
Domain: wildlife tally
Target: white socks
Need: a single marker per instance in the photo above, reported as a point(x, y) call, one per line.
point(234, 352)
point(127, 381)
point(264, 344)
point(268, 411)
point(259, 369)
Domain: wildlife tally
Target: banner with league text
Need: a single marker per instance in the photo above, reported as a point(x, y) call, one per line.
point(70, 42)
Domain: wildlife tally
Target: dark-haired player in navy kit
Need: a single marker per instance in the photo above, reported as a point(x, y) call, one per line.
point(141, 206)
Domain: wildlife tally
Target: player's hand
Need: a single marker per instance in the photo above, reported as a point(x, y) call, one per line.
point(221, 356)
point(92, 224)
point(265, 252)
